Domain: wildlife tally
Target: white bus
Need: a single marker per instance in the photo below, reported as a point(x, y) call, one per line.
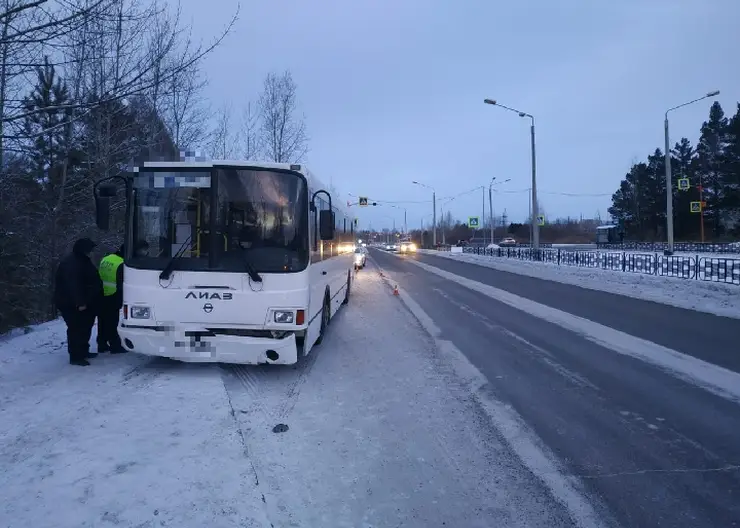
point(234, 262)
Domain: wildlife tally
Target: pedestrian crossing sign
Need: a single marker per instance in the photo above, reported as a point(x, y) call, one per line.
point(363, 201)
point(696, 207)
point(540, 220)
point(683, 184)
point(473, 222)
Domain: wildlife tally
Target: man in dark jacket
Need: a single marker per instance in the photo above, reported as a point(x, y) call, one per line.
point(111, 273)
point(78, 293)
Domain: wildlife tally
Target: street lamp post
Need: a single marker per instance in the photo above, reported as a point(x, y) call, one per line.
point(434, 213)
point(483, 215)
point(533, 221)
point(668, 176)
point(490, 205)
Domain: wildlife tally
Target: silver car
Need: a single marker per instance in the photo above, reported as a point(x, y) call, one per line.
point(360, 258)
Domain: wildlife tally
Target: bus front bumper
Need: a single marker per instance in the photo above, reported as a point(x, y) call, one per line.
point(183, 346)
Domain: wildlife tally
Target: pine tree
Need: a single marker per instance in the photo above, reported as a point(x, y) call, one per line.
point(46, 126)
point(711, 165)
point(683, 165)
point(731, 172)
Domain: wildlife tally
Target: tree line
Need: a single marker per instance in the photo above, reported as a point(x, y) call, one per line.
point(88, 87)
point(712, 167)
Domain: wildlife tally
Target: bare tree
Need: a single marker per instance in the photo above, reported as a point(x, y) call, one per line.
point(249, 137)
point(184, 111)
point(224, 141)
point(132, 69)
point(283, 135)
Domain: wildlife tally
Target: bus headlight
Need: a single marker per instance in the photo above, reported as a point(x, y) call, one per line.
point(140, 312)
point(283, 317)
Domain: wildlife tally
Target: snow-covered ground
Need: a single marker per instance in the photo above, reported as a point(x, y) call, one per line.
point(704, 296)
point(381, 431)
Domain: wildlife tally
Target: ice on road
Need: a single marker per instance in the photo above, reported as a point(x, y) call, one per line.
point(381, 431)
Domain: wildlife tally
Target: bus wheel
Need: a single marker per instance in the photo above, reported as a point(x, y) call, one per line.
point(349, 286)
point(325, 315)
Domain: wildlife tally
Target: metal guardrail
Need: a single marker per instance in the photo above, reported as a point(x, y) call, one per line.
point(681, 247)
point(691, 267)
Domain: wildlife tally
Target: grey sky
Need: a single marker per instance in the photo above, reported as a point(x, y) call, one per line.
point(393, 90)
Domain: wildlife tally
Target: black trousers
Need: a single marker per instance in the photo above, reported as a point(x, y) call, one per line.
point(79, 329)
point(108, 338)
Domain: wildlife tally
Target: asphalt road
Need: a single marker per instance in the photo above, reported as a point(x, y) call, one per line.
point(705, 336)
point(656, 450)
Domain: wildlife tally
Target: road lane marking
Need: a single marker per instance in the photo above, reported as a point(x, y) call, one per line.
point(713, 378)
point(520, 438)
point(530, 348)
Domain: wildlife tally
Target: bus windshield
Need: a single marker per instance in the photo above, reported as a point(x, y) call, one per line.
point(219, 219)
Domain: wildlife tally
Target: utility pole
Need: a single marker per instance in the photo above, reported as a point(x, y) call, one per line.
point(668, 176)
point(535, 210)
point(490, 211)
point(533, 227)
point(434, 219)
point(483, 216)
point(434, 211)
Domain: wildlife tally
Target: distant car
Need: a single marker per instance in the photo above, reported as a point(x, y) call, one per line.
point(508, 241)
point(391, 247)
point(408, 247)
point(360, 258)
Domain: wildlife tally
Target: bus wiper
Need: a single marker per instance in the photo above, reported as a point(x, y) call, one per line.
point(169, 268)
point(248, 265)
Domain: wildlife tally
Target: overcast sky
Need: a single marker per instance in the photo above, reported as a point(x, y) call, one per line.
point(393, 90)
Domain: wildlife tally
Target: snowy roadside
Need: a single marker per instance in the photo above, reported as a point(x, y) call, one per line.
point(126, 441)
point(710, 297)
point(380, 432)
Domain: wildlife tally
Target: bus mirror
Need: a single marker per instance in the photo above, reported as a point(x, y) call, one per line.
point(102, 212)
point(326, 224)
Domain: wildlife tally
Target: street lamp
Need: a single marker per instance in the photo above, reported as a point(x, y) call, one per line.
point(434, 214)
point(490, 203)
point(535, 212)
point(442, 222)
point(405, 226)
point(668, 176)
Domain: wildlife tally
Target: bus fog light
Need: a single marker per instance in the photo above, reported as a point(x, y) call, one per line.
point(284, 317)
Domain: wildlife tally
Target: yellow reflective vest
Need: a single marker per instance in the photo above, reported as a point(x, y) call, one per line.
point(108, 271)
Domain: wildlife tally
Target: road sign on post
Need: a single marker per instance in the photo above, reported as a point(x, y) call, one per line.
point(683, 184)
point(540, 220)
point(473, 222)
point(696, 207)
point(363, 201)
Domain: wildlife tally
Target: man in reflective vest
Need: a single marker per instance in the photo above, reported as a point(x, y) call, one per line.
point(111, 273)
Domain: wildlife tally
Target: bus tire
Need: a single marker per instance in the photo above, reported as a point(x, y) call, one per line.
point(349, 286)
point(325, 316)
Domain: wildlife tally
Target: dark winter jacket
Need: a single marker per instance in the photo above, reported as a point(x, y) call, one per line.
point(77, 280)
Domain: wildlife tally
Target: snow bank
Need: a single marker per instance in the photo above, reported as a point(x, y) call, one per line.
point(126, 441)
point(710, 297)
